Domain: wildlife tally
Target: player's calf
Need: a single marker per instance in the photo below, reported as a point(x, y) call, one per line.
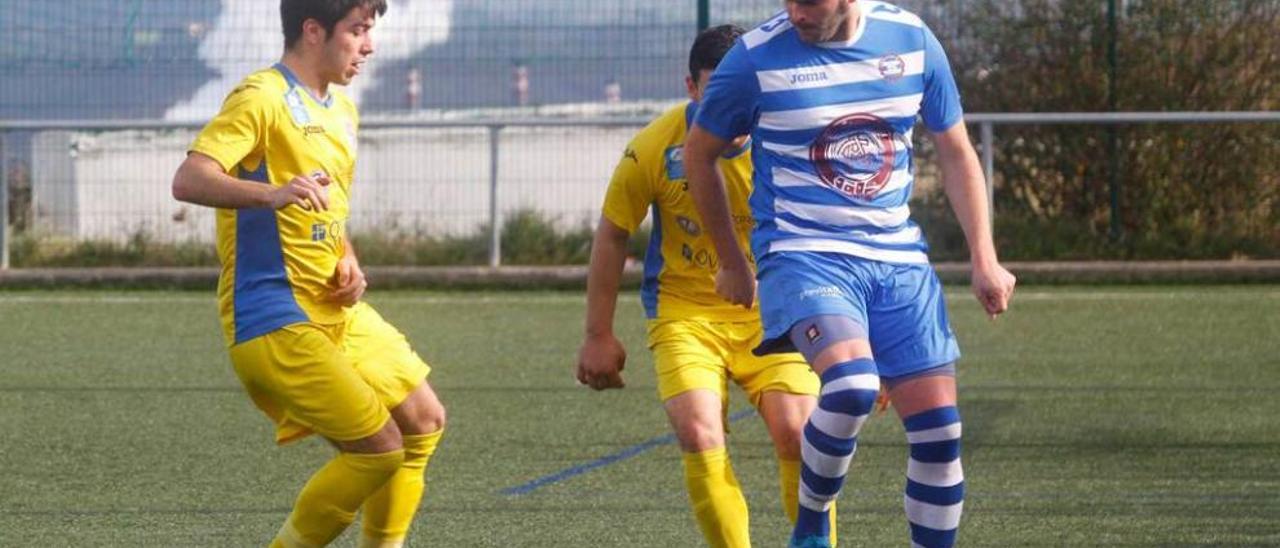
point(934, 495)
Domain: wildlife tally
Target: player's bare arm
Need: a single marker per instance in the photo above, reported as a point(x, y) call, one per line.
point(602, 357)
point(201, 180)
point(966, 189)
point(348, 278)
point(735, 281)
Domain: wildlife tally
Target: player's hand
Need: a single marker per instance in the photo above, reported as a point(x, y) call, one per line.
point(736, 285)
point(308, 192)
point(993, 286)
point(600, 362)
point(349, 282)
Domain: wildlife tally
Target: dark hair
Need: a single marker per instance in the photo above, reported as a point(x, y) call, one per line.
point(293, 13)
point(710, 46)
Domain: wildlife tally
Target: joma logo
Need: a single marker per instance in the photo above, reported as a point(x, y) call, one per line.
point(808, 77)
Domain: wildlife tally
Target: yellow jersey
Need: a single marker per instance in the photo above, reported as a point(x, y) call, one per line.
point(277, 264)
point(681, 262)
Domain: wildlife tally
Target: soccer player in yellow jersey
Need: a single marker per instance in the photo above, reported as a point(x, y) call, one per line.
point(278, 163)
point(699, 341)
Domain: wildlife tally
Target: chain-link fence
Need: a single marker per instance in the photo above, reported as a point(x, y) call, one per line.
point(452, 76)
point(176, 59)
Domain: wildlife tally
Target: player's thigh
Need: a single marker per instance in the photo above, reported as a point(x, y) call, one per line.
point(923, 390)
point(299, 376)
point(781, 386)
point(687, 355)
point(908, 322)
point(798, 285)
point(382, 356)
point(786, 373)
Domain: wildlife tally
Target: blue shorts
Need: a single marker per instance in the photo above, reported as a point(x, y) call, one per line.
point(901, 306)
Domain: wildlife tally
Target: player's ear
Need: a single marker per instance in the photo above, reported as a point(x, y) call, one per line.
point(313, 32)
point(692, 87)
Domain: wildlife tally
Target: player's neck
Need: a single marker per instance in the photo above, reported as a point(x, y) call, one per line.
point(846, 30)
point(306, 75)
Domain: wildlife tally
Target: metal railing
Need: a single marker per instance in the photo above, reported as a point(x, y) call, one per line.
point(986, 123)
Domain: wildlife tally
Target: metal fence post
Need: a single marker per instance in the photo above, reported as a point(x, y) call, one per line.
point(495, 228)
point(989, 168)
point(704, 14)
point(4, 200)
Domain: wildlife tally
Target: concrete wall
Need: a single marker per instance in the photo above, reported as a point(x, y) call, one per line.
point(112, 185)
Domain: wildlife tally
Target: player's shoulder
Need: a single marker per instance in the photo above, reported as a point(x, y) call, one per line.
point(259, 89)
point(665, 131)
point(875, 10)
point(265, 82)
point(772, 29)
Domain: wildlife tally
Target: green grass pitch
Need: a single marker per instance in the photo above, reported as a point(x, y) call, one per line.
point(1093, 416)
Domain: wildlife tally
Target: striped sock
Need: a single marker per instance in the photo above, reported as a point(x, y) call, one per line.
point(935, 481)
point(849, 391)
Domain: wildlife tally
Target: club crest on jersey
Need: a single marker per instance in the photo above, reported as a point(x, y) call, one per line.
point(855, 155)
point(892, 67)
point(675, 162)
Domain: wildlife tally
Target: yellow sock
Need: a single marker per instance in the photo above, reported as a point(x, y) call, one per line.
point(789, 481)
point(389, 512)
point(329, 500)
point(717, 500)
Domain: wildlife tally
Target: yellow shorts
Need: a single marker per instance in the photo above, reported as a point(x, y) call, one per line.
point(694, 354)
point(335, 380)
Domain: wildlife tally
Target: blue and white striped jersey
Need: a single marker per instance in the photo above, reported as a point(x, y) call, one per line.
point(831, 125)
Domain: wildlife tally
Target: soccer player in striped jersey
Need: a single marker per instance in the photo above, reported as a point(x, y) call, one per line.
point(829, 91)
point(699, 341)
point(278, 163)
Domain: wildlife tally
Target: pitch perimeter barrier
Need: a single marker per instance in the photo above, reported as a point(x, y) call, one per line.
point(564, 148)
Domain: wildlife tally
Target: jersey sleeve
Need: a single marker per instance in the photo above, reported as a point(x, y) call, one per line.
point(630, 191)
point(731, 103)
point(940, 108)
point(238, 129)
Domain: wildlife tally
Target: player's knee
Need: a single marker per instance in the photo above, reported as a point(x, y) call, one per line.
point(697, 436)
point(855, 402)
point(429, 418)
point(385, 440)
point(420, 413)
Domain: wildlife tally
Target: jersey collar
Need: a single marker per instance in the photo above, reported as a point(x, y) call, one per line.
point(293, 81)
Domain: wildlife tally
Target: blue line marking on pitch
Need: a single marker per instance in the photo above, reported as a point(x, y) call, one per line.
point(526, 488)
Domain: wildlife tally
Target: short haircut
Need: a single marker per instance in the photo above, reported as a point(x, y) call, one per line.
point(710, 46)
point(293, 13)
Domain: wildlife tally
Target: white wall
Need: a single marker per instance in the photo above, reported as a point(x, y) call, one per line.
point(109, 186)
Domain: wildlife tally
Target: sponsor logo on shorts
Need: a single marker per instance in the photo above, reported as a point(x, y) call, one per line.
point(824, 292)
